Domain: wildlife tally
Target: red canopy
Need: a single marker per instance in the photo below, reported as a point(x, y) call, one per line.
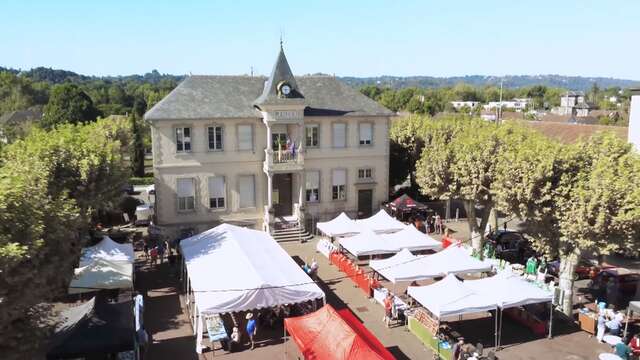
point(328, 334)
point(406, 203)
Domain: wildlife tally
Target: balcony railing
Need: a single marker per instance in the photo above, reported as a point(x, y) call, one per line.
point(283, 158)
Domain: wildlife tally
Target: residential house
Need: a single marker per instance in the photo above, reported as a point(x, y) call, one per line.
point(573, 103)
point(461, 104)
point(270, 153)
point(518, 104)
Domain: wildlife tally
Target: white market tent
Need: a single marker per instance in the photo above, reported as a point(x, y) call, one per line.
point(412, 239)
point(367, 243)
point(108, 250)
point(510, 290)
point(450, 297)
point(381, 222)
point(342, 225)
point(102, 275)
point(452, 260)
point(232, 269)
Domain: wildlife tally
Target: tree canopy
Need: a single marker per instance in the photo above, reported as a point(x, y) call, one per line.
point(68, 104)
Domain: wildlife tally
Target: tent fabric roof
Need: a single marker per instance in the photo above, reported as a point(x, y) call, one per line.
point(342, 225)
point(101, 274)
point(367, 243)
point(327, 335)
point(94, 328)
point(381, 222)
point(450, 297)
point(452, 260)
point(509, 290)
point(405, 202)
point(109, 250)
point(236, 269)
point(412, 239)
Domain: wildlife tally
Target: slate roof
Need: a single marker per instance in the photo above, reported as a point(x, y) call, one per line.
point(15, 117)
point(281, 73)
point(207, 97)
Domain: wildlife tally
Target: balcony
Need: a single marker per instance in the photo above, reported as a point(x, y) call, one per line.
point(283, 160)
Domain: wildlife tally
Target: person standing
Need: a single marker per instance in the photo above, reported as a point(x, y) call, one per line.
point(251, 329)
point(387, 309)
point(153, 253)
point(622, 349)
point(601, 326)
point(439, 227)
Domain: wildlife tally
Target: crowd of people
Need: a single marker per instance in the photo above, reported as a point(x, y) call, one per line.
point(429, 225)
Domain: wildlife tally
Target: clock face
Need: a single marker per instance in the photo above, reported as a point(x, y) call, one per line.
point(286, 89)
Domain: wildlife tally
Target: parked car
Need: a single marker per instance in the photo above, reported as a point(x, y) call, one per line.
point(627, 281)
point(511, 246)
point(586, 269)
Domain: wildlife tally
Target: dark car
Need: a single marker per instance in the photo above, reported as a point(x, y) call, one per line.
point(627, 281)
point(586, 269)
point(511, 246)
point(128, 189)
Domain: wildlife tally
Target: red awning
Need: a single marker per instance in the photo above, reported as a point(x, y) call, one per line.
point(406, 203)
point(328, 334)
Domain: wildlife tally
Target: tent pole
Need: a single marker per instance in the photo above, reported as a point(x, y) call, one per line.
point(551, 321)
point(500, 332)
point(496, 329)
point(626, 325)
point(285, 341)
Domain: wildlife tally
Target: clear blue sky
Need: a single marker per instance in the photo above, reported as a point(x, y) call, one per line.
point(359, 38)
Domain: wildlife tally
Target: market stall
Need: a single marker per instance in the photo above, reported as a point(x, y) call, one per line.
point(101, 275)
point(341, 225)
point(108, 250)
point(412, 239)
point(230, 269)
point(334, 335)
point(452, 260)
point(95, 328)
point(381, 222)
point(404, 207)
point(368, 243)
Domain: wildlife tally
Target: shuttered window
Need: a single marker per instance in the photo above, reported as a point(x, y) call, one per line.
point(246, 188)
point(312, 179)
point(339, 184)
point(217, 192)
point(186, 191)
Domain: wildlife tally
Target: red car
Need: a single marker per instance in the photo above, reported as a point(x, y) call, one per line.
point(586, 269)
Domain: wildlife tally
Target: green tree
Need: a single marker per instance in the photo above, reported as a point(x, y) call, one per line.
point(51, 183)
point(68, 104)
point(575, 200)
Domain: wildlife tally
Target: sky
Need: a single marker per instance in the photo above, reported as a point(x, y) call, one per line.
point(345, 38)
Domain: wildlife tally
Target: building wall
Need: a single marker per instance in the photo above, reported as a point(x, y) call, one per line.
point(634, 119)
point(231, 163)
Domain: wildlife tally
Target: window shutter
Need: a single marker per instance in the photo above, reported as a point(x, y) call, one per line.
point(216, 187)
point(339, 135)
point(339, 177)
point(246, 188)
point(313, 179)
point(245, 137)
point(185, 188)
point(365, 132)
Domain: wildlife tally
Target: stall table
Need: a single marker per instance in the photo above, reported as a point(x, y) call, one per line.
point(588, 322)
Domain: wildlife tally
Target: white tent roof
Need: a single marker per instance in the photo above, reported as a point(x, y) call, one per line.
point(452, 260)
point(509, 290)
point(412, 239)
point(108, 250)
point(381, 222)
point(388, 267)
point(235, 269)
point(450, 297)
point(101, 274)
point(367, 243)
point(342, 225)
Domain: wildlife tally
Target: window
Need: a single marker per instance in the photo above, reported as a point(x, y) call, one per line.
point(216, 192)
point(245, 137)
point(339, 181)
point(215, 137)
point(183, 139)
point(311, 135)
point(246, 188)
point(313, 186)
point(366, 133)
point(339, 135)
point(186, 190)
point(364, 173)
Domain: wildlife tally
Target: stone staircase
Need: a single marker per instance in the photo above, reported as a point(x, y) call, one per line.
point(290, 231)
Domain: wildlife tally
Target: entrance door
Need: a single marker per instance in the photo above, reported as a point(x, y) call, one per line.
point(282, 194)
point(365, 203)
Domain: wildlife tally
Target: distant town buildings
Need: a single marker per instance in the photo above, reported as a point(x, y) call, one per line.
point(518, 105)
point(573, 103)
point(462, 104)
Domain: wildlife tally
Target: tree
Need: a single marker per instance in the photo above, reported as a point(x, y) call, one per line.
point(406, 137)
point(575, 200)
point(51, 183)
point(68, 104)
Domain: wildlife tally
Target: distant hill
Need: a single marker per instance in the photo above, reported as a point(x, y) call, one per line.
point(510, 81)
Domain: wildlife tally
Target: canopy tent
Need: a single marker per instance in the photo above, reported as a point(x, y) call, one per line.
point(342, 225)
point(381, 222)
point(452, 260)
point(412, 239)
point(93, 328)
point(327, 334)
point(367, 243)
point(101, 275)
point(450, 297)
point(406, 203)
point(634, 306)
point(232, 269)
point(109, 250)
point(510, 290)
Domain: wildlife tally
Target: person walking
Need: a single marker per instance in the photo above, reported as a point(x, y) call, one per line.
point(438, 224)
point(387, 309)
point(251, 329)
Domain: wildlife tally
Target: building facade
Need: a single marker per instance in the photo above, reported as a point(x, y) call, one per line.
point(573, 103)
point(267, 153)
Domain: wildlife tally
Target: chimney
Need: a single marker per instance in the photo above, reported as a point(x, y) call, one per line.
point(634, 118)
